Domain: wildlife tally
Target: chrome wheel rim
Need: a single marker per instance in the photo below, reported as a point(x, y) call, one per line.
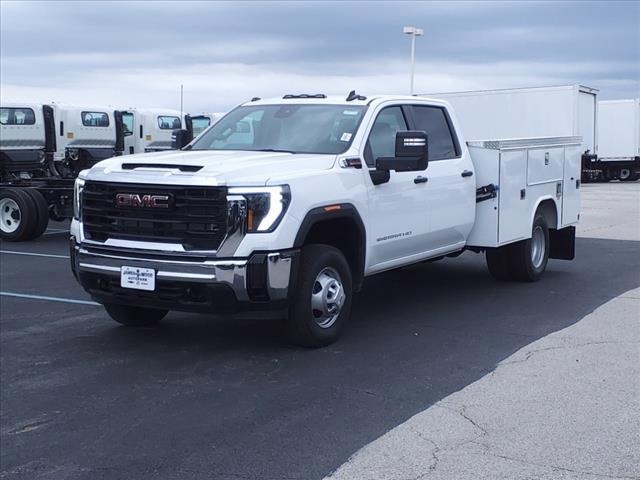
point(538, 247)
point(9, 215)
point(624, 173)
point(327, 297)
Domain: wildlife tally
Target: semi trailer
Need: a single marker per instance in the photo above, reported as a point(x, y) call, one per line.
point(285, 206)
point(619, 139)
point(565, 110)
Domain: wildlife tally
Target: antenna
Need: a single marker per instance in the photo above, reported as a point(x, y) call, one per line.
point(181, 99)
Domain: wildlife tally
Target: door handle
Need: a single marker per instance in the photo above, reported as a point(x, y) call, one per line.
point(420, 179)
point(467, 173)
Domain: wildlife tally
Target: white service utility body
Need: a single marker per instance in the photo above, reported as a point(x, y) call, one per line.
point(564, 111)
point(285, 205)
point(619, 138)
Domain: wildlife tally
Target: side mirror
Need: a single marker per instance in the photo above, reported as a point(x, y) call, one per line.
point(412, 153)
point(179, 139)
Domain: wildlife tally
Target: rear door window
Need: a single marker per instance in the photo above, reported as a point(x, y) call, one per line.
point(166, 122)
point(95, 119)
point(17, 116)
point(434, 121)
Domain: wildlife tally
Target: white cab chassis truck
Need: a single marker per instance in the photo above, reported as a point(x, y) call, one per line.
point(286, 205)
point(563, 110)
point(619, 139)
point(150, 129)
point(42, 149)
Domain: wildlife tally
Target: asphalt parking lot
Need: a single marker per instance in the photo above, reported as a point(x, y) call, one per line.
point(203, 397)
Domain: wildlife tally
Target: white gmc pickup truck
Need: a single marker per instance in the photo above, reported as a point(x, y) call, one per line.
point(286, 205)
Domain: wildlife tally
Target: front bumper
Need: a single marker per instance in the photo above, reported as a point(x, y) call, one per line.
point(188, 282)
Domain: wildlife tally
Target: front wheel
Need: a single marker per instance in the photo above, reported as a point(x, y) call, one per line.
point(322, 302)
point(134, 316)
point(18, 219)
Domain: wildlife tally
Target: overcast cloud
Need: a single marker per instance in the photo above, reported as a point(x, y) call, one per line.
point(225, 53)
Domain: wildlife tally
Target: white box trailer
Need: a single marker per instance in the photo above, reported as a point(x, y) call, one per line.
point(619, 138)
point(565, 110)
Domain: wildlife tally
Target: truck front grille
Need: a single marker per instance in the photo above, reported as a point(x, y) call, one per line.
point(195, 217)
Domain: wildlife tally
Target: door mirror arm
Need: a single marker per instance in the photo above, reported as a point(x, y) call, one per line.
point(379, 177)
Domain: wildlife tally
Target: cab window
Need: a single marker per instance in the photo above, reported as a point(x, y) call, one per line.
point(434, 121)
point(382, 138)
point(200, 124)
point(169, 123)
point(127, 123)
point(17, 116)
point(95, 119)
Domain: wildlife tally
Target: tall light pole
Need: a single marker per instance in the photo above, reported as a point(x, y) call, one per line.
point(414, 32)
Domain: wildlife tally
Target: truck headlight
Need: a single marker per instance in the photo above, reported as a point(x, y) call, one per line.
point(77, 194)
point(265, 206)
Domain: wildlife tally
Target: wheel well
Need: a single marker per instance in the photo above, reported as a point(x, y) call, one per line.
point(344, 234)
point(549, 211)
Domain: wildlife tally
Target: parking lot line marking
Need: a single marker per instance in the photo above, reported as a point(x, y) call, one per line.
point(55, 232)
point(51, 299)
point(12, 252)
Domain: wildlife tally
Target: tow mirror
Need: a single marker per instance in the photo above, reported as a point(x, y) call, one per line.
point(412, 153)
point(179, 139)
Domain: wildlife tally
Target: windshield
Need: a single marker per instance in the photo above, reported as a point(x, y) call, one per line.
point(295, 128)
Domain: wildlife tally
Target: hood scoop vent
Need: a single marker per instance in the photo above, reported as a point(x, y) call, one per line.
point(161, 166)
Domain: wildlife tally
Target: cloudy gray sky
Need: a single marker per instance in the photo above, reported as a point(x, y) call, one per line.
point(138, 53)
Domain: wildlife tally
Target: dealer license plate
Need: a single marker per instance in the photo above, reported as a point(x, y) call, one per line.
point(138, 278)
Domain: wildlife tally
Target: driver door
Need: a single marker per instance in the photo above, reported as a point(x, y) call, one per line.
point(398, 218)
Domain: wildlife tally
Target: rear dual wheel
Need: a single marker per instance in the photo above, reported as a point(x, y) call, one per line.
point(524, 261)
point(24, 214)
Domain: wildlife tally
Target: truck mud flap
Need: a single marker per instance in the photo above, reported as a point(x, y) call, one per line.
point(563, 243)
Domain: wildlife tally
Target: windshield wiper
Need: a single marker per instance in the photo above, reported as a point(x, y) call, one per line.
point(273, 150)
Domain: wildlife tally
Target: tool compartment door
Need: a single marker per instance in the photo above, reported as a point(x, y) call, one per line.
point(545, 165)
point(571, 185)
point(513, 223)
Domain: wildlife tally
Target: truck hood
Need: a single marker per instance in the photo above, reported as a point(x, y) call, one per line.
point(208, 167)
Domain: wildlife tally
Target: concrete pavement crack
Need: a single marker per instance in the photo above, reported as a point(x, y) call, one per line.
point(553, 467)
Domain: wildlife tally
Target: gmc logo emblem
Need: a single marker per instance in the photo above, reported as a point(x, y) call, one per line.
point(141, 201)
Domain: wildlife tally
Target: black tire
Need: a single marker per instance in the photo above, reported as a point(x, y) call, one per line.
point(19, 217)
point(633, 176)
point(498, 263)
point(135, 316)
point(521, 262)
point(320, 266)
point(42, 211)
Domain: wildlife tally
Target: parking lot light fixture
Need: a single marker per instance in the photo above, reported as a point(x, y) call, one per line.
point(414, 32)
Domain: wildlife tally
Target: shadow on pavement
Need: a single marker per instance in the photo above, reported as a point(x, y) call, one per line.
point(225, 398)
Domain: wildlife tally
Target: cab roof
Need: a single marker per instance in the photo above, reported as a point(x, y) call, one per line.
point(334, 100)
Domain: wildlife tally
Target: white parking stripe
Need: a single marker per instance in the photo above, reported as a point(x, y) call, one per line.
point(51, 299)
point(11, 252)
